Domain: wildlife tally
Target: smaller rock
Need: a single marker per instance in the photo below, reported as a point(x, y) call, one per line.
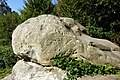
point(31, 71)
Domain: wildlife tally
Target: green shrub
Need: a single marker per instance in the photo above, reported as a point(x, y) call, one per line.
point(98, 32)
point(102, 15)
point(7, 57)
point(8, 23)
point(116, 39)
point(34, 8)
point(77, 68)
point(4, 72)
point(7, 60)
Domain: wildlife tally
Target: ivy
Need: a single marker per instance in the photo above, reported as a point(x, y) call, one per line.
point(79, 68)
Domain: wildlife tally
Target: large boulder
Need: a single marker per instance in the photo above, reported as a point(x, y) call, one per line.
point(41, 38)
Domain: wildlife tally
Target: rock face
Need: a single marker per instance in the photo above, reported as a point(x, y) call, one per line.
point(41, 38)
point(31, 71)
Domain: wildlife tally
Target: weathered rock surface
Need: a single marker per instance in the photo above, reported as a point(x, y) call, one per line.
point(41, 38)
point(31, 71)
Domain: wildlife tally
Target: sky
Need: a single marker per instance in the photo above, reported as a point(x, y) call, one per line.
point(15, 5)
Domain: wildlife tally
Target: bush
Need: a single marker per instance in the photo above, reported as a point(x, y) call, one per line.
point(7, 60)
point(77, 68)
point(8, 23)
point(4, 72)
point(102, 15)
point(116, 39)
point(34, 8)
point(7, 57)
point(98, 32)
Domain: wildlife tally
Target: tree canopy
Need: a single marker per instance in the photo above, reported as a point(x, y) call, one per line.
point(4, 8)
point(34, 8)
point(101, 17)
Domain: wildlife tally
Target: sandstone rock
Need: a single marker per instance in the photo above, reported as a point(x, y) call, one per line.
point(31, 71)
point(74, 25)
point(41, 38)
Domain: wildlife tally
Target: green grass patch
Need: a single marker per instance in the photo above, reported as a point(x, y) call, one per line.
point(77, 68)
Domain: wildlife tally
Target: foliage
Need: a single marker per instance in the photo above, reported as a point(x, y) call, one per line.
point(4, 8)
point(77, 68)
point(97, 14)
point(8, 23)
point(116, 39)
point(99, 33)
point(7, 57)
point(34, 8)
point(4, 72)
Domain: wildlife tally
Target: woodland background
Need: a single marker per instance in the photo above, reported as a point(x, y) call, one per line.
point(100, 17)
